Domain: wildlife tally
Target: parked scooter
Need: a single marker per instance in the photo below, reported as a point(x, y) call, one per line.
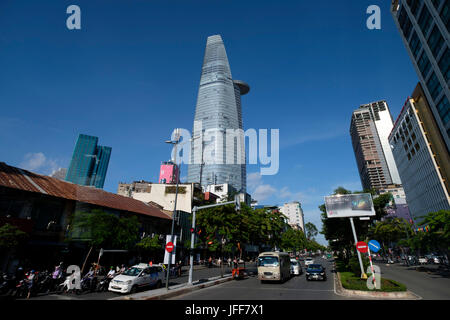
point(7, 284)
point(103, 284)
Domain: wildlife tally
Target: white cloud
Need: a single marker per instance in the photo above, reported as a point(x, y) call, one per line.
point(254, 180)
point(263, 192)
point(39, 163)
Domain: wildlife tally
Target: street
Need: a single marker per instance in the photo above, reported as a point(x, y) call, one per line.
point(428, 286)
point(296, 288)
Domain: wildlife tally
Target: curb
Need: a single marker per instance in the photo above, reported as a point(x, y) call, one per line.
point(177, 291)
point(408, 295)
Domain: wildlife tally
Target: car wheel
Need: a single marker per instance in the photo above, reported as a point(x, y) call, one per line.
point(158, 284)
point(133, 289)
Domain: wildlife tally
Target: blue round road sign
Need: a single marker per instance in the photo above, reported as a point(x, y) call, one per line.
point(374, 246)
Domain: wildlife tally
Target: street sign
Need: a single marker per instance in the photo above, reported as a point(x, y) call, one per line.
point(169, 247)
point(374, 246)
point(361, 246)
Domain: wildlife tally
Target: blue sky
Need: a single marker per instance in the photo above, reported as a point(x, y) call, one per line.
point(131, 75)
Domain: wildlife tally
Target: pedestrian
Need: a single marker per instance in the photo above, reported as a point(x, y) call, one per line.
point(229, 261)
point(122, 269)
point(219, 262)
point(210, 262)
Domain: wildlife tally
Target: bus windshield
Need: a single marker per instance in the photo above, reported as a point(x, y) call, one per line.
point(268, 261)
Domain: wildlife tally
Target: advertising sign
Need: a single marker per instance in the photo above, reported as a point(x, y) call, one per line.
point(349, 205)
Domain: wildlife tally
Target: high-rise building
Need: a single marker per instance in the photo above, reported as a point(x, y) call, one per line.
point(218, 111)
point(89, 162)
point(294, 212)
point(424, 27)
point(369, 129)
point(421, 156)
point(169, 173)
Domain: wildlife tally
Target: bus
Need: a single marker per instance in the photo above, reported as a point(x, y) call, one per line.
point(274, 266)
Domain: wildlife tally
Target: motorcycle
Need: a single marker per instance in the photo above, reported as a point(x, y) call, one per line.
point(21, 290)
point(103, 284)
point(7, 284)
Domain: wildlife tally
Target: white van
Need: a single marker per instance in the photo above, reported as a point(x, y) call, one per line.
point(136, 277)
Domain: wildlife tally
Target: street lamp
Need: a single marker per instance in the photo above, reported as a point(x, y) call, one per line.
point(175, 143)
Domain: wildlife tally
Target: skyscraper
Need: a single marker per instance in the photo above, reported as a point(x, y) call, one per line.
point(89, 162)
point(424, 27)
point(218, 111)
point(421, 156)
point(370, 127)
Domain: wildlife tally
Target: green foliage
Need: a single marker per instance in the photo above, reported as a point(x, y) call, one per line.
point(104, 230)
point(311, 230)
point(11, 237)
point(390, 230)
point(222, 228)
point(439, 234)
point(150, 244)
point(380, 203)
point(352, 282)
point(293, 240)
point(354, 266)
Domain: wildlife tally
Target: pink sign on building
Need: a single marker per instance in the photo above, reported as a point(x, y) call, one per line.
point(168, 173)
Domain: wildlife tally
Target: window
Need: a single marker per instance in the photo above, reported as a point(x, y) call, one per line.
point(435, 41)
point(417, 147)
point(415, 44)
point(424, 64)
point(425, 20)
point(414, 6)
point(443, 108)
point(444, 64)
point(409, 156)
point(436, 3)
point(445, 14)
point(407, 27)
point(434, 86)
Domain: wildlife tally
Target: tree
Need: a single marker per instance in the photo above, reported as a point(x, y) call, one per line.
point(390, 230)
point(11, 236)
point(311, 231)
point(104, 230)
point(438, 224)
point(293, 240)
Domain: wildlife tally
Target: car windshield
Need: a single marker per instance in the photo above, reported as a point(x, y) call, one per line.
point(315, 267)
point(133, 272)
point(267, 261)
point(308, 259)
point(294, 263)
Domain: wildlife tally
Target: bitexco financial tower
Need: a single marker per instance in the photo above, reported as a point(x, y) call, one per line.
point(218, 110)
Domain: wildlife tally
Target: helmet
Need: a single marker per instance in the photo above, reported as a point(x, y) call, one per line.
point(32, 271)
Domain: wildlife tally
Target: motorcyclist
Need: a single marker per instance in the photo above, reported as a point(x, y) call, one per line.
point(122, 268)
point(111, 273)
point(31, 279)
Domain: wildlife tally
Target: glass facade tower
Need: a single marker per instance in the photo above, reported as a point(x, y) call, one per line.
point(89, 162)
point(214, 160)
point(424, 27)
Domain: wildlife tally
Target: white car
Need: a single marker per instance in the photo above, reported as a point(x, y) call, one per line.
point(423, 260)
point(309, 261)
point(296, 268)
point(136, 277)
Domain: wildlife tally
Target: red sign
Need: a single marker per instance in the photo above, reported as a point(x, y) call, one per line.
point(362, 247)
point(169, 247)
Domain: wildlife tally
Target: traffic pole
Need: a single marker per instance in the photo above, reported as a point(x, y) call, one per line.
point(371, 267)
point(191, 262)
point(363, 274)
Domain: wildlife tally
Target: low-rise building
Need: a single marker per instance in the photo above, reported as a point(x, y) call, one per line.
point(43, 207)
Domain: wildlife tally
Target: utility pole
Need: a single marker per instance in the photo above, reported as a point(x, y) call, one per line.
point(177, 140)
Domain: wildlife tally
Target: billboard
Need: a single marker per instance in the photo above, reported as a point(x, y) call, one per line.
point(349, 205)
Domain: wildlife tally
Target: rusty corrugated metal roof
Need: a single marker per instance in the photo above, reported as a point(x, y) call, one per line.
point(16, 178)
